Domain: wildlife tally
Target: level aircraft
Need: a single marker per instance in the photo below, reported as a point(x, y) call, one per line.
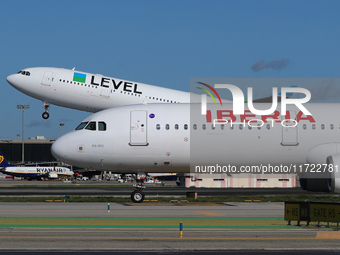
point(86, 91)
point(36, 172)
point(93, 92)
point(153, 138)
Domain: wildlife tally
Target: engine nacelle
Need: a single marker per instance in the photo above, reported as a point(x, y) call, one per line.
point(327, 180)
point(52, 175)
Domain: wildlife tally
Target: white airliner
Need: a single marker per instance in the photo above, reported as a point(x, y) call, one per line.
point(88, 92)
point(165, 138)
point(93, 92)
point(37, 172)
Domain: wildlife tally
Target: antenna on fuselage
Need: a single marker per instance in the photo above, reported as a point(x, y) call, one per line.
point(73, 68)
point(144, 101)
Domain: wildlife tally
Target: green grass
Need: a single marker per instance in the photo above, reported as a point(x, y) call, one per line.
point(216, 199)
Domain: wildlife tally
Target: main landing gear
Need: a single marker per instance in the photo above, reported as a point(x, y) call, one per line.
point(45, 114)
point(138, 196)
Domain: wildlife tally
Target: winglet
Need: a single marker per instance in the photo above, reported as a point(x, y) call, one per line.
point(3, 161)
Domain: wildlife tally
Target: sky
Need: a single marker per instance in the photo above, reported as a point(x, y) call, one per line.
point(163, 43)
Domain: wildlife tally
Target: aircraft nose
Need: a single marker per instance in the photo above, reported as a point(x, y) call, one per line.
point(10, 79)
point(14, 81)
point(59, 148)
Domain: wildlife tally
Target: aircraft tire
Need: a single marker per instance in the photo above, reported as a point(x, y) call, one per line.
point(45, 115)
point(137, 196)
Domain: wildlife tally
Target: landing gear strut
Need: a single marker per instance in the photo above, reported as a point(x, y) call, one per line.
point(138, 196)
point(45, 114)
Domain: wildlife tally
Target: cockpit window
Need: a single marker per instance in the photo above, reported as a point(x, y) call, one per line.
point(101, 126)
point(81, 126)
point(91, 126)
point(27, 73)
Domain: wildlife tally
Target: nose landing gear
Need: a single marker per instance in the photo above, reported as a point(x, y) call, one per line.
point(138, 196)
point(45, 114)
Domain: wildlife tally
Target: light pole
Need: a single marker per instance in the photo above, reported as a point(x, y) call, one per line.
point(23, 108)
point(62, 124)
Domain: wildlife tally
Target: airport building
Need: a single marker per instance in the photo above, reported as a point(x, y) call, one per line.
point(240, 180)
point(37, 149)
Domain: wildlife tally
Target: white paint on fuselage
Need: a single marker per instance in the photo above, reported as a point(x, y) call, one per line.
point(26, 171)
point(110, 149)
point(96, 93)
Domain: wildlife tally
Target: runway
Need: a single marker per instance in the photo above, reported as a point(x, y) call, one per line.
point(25, 188)
point(89, 226)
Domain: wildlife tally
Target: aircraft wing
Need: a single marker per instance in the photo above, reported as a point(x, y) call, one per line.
point(270, 98)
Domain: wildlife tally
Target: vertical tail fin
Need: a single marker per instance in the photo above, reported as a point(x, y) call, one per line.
point(3, 161)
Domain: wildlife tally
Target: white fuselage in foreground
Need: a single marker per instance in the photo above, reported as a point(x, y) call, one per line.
point(89, 92)
point(163, 138)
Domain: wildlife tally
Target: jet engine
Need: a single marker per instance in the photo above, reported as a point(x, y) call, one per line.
point(324, 177)
point(52, 175)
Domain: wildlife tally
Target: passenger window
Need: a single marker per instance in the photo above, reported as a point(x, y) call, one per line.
point(91, 126)
point(101, 126)
point(81, 126)
point(194, 126)
point(313, 126)
point(322, 126)
point(185, 126)
point(167, 126)
point(176, 126)
point(204, 126)
point(240, 126)
point(222, 126)
point(332, 126)
point(212, 127)
point(304, 126)
point(268, 126)
point(158, 126)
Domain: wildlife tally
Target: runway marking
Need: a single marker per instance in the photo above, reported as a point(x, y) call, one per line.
point(145, 222)
point(177, 204)
point(157, 238)
point(328, 235)
point(143, 226)
point(151, 218)
point(208, 213)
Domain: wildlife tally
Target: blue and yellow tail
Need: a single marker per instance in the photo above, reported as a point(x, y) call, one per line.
point(3, 161)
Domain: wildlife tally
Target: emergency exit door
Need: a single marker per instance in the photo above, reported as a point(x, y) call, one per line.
point(47, 78)
point(138, 128)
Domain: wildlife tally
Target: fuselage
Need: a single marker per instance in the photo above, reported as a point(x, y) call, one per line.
point(33, 172)
point(89, 92)
point(166, 138)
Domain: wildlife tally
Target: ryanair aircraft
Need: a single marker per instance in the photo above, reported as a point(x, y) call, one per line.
point(34, 172)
